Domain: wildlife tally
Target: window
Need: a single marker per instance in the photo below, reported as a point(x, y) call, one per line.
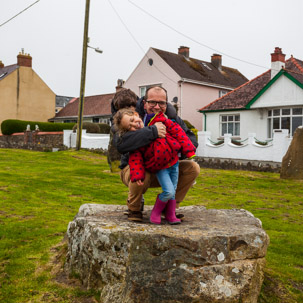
point(95, 120)
point(2, 75)
point(285, 118)
point(142, 91)
point(105, 120)
point(70, 121)
point(230, 124)
point(222, 93)
point(204, 64)
point(144, 88)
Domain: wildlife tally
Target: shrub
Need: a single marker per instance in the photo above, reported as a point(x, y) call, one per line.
point(188, 124)
point(104, 128)
point(195, 131)
point(91, 128)
point(11, 126)
point(192, 128)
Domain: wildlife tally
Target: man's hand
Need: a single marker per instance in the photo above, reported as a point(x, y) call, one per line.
point(139, 182)
point(161, 128)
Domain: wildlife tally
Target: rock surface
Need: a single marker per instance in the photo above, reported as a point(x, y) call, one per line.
point(213, 256)
point(292, 163)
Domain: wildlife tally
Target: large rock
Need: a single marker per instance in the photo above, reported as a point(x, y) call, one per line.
point(292, 163)
point(213, 256)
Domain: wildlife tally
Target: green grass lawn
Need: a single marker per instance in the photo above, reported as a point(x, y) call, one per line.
point(41, 192)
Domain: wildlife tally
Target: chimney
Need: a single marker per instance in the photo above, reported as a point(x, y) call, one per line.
point(277, 61)
point(216, 60)
point(24, 59)
point(119, 86)
point(184, 51)
point(1, 64)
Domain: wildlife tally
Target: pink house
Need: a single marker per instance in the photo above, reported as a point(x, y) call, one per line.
point(191, 83)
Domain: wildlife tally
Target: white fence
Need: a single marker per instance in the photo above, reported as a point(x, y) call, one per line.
point(90, 141)
point(250, 149)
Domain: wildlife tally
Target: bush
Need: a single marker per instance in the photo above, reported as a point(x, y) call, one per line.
point(104, 128)
point(192, 128)
point(195, 131)
point(91, 128)
point(188, 124)
point(11, 126)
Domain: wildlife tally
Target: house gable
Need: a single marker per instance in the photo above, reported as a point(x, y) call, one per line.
point(152, 70)
point(283, 90)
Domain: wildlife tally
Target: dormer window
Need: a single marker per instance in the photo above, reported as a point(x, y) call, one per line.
point(222, 93)
point(205, 65)
point(2, 75)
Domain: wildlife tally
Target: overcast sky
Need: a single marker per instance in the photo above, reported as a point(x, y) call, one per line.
point(51, 31)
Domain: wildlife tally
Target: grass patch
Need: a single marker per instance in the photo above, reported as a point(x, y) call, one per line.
point(41, 192)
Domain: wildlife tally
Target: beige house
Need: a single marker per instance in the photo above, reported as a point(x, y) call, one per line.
point(23, 94)
point(190, 83)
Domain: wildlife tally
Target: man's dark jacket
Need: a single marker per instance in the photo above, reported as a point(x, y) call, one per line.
point(132, 140)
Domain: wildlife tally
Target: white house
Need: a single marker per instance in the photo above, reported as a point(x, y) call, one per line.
point(271, 101)
point(190, 83)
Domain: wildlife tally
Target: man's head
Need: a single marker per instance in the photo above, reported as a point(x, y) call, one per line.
point(155, 100)
point(127, 119)
point(125, 98)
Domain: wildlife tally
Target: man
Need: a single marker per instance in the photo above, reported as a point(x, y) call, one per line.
point(155, 100)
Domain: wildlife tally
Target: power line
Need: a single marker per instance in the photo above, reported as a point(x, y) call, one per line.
point(145, 55)
point(192, 39)
point(19, 13)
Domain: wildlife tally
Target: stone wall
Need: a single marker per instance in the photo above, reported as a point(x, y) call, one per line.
point(239, 164)
point(40, 141)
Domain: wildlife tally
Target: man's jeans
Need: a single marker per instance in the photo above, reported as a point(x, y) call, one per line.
point(168, 179)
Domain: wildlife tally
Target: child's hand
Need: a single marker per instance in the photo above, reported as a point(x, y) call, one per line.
point(139, 182)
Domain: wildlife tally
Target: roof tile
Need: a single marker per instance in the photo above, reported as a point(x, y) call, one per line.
point(242, 95)
point(98, 105)
point(203, 71)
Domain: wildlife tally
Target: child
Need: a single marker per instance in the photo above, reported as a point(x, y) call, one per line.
point(160, 157)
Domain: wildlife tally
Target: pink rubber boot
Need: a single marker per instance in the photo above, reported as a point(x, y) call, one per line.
point(170, 212)
point(155, 216)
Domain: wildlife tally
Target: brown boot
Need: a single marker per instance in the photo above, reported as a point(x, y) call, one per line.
point(135, 216)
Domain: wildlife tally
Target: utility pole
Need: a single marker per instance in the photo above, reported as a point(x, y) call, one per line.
point(83, 74)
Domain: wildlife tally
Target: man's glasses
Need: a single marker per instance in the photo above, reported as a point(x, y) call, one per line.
point(154, 103)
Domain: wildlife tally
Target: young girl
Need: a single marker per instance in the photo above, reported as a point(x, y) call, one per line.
point(160, 157)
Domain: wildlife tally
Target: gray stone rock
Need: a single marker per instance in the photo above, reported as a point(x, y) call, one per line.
point(292, 162)
point(213, 256)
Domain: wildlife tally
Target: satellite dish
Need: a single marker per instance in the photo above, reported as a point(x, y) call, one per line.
point(175, 99)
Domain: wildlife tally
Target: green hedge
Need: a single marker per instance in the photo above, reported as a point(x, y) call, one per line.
point(91, 128)
point(94, 128)
point(11, 126)
point(104, 128)
point(188, 124)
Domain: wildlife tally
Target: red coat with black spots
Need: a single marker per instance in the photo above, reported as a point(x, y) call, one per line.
point(161, 153)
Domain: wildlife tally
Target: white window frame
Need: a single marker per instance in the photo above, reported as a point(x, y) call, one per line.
point(222, 93)
point(230, 124)
point(142, 89)
point(280, 114)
